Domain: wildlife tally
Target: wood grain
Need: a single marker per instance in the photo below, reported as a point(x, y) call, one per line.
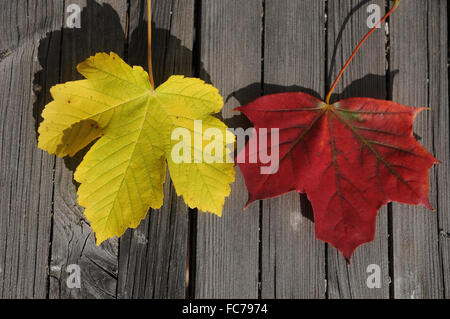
point(365, 77)
point(227, 247)
point(26, 172)
point(293, 261)
point(417, 263)
point(440, 125)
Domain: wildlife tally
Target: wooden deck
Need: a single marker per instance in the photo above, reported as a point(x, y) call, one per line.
point(245, 48)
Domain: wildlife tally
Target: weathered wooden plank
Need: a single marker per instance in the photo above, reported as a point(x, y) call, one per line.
point(102, 30)
point(418, 269)
point(227, 247)
point(439, 103)
point(152, 259)
point(293, 261)
point(365, 77)
point(26, 172)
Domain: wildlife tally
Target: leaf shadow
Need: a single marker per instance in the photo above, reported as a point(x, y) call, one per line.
point(339, 39)
point(102, 30)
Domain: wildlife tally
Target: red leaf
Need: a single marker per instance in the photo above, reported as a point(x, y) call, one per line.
point(350, 158)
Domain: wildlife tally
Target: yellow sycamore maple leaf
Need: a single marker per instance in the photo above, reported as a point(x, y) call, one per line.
point(123, 173)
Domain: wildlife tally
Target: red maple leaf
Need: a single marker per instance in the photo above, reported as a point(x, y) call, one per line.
point(350, 158)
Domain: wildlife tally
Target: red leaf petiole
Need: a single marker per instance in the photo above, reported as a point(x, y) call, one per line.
point(327, 100)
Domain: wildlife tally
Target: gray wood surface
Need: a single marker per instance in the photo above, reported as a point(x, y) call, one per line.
point(26, 173)
point(366, 76)
point(439, 102)
point(293, 261)
point(418, 266)
point(244, 48)
point(226, 257)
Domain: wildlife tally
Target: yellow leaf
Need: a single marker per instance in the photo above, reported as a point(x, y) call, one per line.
point(122, 175)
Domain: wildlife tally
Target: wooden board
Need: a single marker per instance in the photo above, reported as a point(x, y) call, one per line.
point(26, 172)
point(365, 77)
point(73, 243)
point(227, 248)
point(439, 102)
point(293, 261)
point(417, 260)
point(152, 259)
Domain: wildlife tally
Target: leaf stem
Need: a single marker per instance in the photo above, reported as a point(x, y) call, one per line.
point(149, 42)
point(327, 100)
